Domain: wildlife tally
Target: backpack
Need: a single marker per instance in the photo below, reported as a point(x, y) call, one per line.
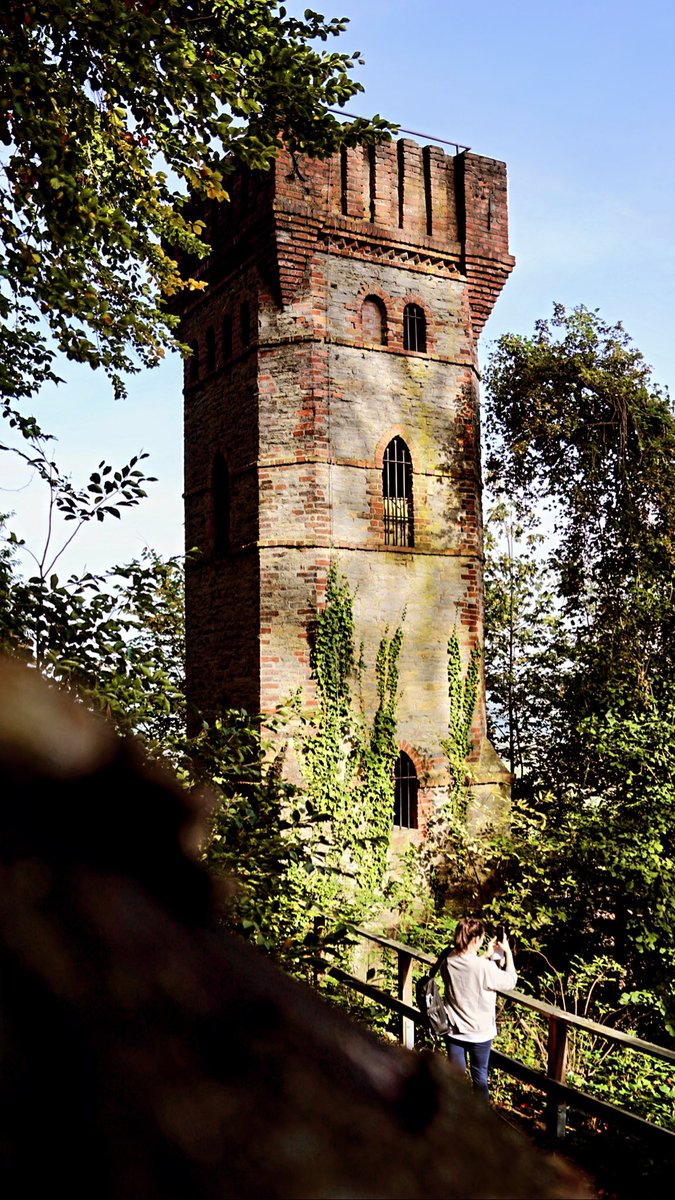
point(430, 1002)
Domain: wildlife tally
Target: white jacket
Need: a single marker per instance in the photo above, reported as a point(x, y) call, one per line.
point(471, 986)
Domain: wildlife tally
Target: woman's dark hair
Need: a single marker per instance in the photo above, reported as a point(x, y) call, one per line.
point(466, 930)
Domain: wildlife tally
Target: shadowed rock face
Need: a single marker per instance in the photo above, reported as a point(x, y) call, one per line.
point(143, 1054)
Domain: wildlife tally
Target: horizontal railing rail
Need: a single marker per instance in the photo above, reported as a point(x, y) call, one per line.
point(559, 1095)
point(429, 137)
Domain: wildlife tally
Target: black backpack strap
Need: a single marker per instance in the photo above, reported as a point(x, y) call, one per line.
point(439, 961)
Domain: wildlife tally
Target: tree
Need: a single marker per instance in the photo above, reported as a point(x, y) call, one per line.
point(527, 646)
point(579, 434)
point(110, 111)
point(578, 431)
point(114, 639)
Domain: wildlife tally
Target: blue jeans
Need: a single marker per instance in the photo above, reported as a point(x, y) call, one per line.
point(478, 1055)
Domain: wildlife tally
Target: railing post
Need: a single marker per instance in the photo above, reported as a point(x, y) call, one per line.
point(405, 993)
point(556, 1114)
point(319, 930)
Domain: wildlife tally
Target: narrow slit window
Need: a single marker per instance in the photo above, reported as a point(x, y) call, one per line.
point(221, 506)
point(374, 321)
point(244, 190)
point(400, 162)
point(226, 338)
point(406, 787)
point(372, 182)
point(210, 350)
point(397, 492)
point(245, 323)
point(428, 193)
point(193, 362)
point(344, 187)
point(414, 328)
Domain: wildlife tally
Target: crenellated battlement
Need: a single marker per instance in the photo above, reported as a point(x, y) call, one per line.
point(400, 187)
point(414, 204)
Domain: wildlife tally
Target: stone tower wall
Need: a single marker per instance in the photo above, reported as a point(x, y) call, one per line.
point(302, 413)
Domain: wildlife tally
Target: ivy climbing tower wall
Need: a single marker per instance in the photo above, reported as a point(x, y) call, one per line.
point(331, 414)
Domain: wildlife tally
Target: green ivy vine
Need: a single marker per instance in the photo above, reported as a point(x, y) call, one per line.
point(348, 766)
point(448, 857)
point(463, 693)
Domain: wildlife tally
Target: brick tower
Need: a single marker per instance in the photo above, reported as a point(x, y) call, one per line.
point(331, 413)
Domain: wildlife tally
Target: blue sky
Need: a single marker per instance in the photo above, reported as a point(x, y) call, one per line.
point(577, 98)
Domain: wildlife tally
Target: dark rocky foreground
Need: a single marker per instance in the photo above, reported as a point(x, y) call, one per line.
point(143, 1054)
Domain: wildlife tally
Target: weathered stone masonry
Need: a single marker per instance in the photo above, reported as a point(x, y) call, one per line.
point(302, 405)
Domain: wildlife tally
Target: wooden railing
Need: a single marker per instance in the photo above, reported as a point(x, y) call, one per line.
point(559, 1095)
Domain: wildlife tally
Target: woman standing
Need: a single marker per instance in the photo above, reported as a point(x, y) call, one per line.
point(471, 985)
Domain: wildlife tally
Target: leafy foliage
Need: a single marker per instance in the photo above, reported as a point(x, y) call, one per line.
point(527, 645)
point(578, 430)
point(463, 693)
point(110, 111)
point(115, 639)
point(348, 768)
point(614, 1073)
point(450, 857)
point(582, 441)
point(312, 851)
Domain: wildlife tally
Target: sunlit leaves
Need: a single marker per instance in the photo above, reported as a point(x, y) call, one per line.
point(109, 112)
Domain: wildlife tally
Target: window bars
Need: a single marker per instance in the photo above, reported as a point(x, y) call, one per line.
point(406, 787)
point(399, 524)
point(414, 328)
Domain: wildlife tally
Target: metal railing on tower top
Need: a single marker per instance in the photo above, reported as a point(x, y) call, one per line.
point(427, 137)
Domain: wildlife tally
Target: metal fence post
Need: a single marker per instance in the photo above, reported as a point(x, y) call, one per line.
point(405, 993)
point(556, 1114)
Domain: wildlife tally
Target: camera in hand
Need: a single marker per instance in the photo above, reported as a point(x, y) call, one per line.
point(498, 955)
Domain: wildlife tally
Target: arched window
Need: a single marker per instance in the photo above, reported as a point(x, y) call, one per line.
point(226, 339)
point(245, 323)
point(193, 362)
point(374, 321)
point(397, 492)
point(221, 505)
point(406, 787)
point(414, 328)
point(210, 350)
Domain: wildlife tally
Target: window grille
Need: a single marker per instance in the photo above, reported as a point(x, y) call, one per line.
point(397, 492)
point(221, 505)
point(414, 328)
point(406, 787)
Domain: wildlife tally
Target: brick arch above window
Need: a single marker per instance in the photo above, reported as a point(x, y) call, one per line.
point(402, 431)
point(374, 320)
